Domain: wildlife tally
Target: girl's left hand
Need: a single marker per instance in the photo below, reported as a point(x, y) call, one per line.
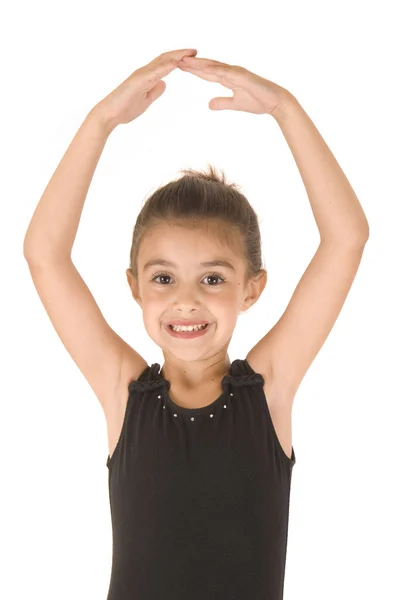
point(251, 93)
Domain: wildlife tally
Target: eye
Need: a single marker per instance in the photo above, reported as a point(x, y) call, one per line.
point(214, 275)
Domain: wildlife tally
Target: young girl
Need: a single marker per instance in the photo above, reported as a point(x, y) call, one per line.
point(200, 452)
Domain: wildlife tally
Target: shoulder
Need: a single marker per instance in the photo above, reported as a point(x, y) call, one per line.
point(275, 389)
point(264, 368)
point(132, 367)
point(279, 402)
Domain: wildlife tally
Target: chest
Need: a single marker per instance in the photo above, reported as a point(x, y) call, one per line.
point(280, 415)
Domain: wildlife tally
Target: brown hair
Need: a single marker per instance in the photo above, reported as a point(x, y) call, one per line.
point(200, 198)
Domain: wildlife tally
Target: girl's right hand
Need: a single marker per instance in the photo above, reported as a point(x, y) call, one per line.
point(134, 95)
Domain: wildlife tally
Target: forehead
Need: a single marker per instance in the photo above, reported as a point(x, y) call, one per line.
point(191, 243)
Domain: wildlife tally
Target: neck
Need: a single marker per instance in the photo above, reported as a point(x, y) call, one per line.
point(193, 374)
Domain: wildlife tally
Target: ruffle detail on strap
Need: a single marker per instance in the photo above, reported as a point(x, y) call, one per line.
point(149, 380)
point(243, 380)
point(241, 375)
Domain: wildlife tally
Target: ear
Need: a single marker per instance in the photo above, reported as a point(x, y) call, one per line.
point(133, 284)
point(254, 289)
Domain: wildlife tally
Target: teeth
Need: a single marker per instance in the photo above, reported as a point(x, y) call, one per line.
point(191, 328)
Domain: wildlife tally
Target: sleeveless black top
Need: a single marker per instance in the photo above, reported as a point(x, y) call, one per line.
point(199, 497)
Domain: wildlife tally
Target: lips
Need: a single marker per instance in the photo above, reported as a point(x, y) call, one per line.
point(187, 323)
point(188, 334)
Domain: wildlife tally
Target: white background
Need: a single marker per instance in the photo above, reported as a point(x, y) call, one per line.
point(340, 61)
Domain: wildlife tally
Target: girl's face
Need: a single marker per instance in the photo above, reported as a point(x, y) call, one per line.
point(188, 290)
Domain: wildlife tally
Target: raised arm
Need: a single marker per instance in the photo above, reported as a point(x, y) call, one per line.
point(285, 353)
point(103, 357)
point(292, 344)
point(96, 349)
point(53, 227)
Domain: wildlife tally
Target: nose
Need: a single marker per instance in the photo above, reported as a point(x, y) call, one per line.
point(186, 299)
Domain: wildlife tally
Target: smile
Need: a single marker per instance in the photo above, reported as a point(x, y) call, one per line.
point(188, 334)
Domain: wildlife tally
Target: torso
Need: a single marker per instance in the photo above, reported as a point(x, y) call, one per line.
point(280, 414)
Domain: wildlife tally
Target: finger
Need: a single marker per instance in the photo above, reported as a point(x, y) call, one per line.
point(222, 103)
point(181, 53)
point(216, 69)
point(156, 91)
point(213, 75)
point(165, 63)
point(202, 64)
point(193, 61)
point(176, 56)
point(200, 73)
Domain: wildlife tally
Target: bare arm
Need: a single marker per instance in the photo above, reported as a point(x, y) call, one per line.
point(53, 227)
point(101, 355)
point(290, 347)
point(338, 213)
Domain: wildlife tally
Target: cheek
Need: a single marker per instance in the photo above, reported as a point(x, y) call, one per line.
point(154, 298)
point(227, 299)
point(218, 304)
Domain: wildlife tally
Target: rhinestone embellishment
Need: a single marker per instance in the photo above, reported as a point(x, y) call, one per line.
point(193, 418)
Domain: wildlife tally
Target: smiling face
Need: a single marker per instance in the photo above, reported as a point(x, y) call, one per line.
point(188, 290)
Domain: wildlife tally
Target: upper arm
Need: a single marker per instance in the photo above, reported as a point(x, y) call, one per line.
point(289, 348)
point(96, 349)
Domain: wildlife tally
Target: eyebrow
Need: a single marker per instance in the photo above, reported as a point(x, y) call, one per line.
point(167, 263)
